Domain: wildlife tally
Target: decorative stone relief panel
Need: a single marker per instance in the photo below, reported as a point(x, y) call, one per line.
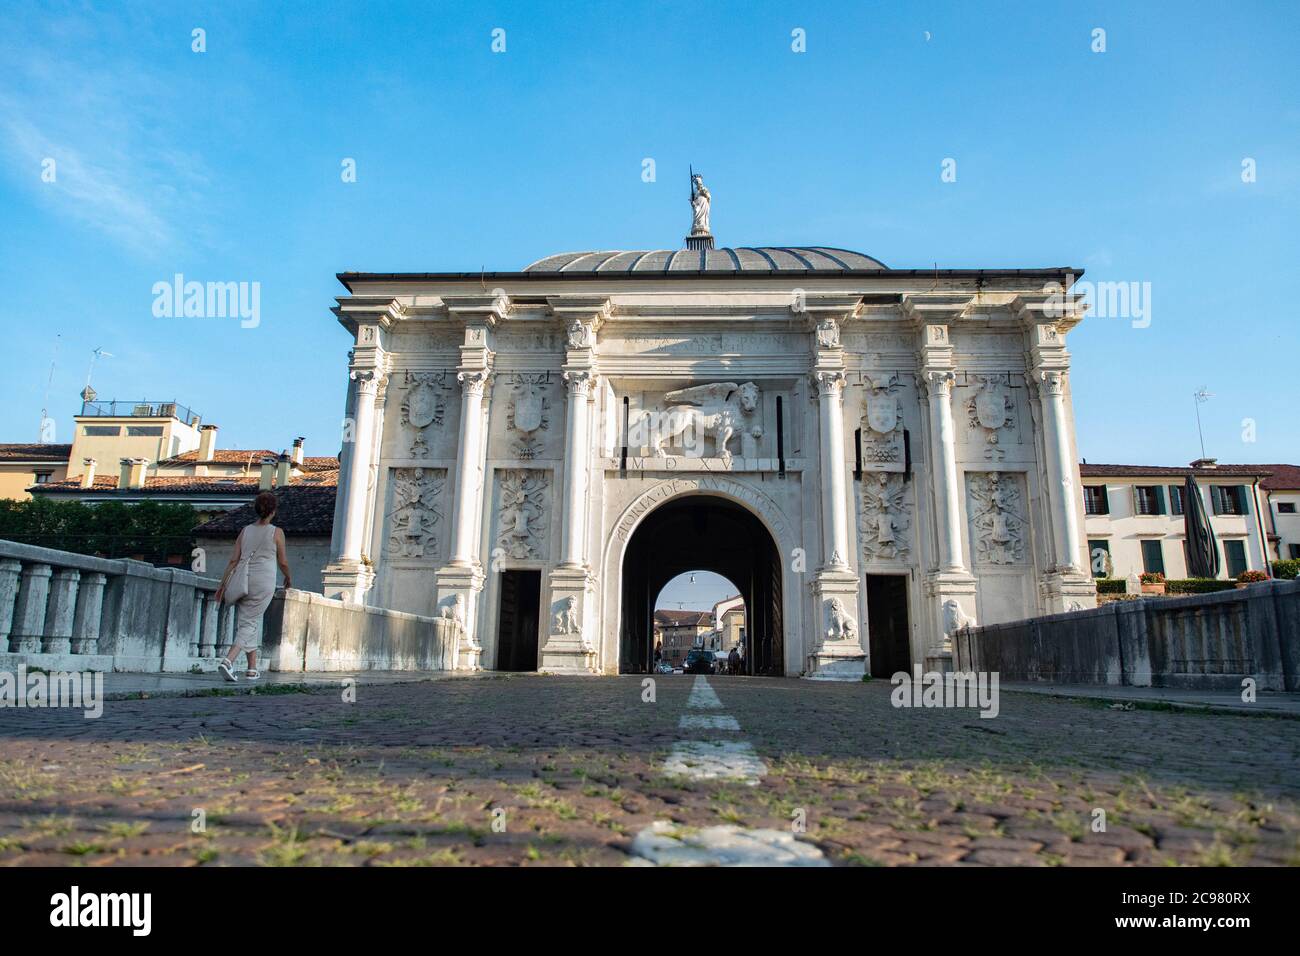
point(424, 405)
point(882, 424)
point(524, 505)
point(995, 505)
point(700, 420)
point(886, 518)
point(992, 413)
point(416, 513)
point(528, 415)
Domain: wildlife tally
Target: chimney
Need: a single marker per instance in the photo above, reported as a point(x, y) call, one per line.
point(132, 475)
point(297, 451)
point(88, 474)
point(207, 442)
point(282, 470)
point(1206, 463)
point(268, 473)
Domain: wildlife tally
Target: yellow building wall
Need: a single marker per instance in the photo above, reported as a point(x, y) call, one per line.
point(15, 479)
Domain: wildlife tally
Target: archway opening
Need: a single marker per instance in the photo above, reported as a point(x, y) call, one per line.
point(699, 620)
point(704, 533)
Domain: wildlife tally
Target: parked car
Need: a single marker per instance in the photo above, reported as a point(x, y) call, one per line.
point(699, 662)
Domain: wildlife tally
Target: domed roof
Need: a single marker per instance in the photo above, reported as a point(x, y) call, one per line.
point(762, 259)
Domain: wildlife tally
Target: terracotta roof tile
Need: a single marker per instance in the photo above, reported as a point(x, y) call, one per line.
point(191, 484)
point(34, 451)
point(1089, 470)
point(303, 510)
point(684, 618)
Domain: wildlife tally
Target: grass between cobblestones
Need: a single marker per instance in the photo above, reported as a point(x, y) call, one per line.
point(564, 771)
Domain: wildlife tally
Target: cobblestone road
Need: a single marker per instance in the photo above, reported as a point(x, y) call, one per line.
point(417, 774)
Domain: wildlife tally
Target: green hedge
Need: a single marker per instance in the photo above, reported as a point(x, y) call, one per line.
point(1198, 586)
point(152, 530)
point(1287, 570)
point(1177, 586)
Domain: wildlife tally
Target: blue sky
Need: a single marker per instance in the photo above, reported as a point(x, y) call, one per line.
point(225, 166)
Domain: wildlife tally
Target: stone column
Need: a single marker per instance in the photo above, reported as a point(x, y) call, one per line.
point(1060, 470)
point(570, 609)
point(578, 384)
point(59, 611)
point(90, 610)
point(356, 492)
point(10, 570)
point(349, 576)
point(468, 477)
point(29, 613)
point(835, 520)
point(947, 490)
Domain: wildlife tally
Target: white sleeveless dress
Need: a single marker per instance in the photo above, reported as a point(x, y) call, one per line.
point(257, 541)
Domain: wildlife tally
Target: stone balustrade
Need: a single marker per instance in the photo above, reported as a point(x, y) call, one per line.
point(61, 611)
point(1204, 641)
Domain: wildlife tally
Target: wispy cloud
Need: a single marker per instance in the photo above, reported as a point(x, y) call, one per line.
point(108, 125)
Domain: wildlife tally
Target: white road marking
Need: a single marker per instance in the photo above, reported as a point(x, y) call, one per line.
point(703, 697)
point(669, 844)
point(715, 760)
point(708, 722)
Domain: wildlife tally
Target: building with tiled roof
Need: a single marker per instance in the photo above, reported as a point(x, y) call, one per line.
point(676, 632)
point(1134, 515)
point(305, 514)
point(23, 464)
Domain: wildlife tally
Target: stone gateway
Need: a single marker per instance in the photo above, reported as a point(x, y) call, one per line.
point(873, 456)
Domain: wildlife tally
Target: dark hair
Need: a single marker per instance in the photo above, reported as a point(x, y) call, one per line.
point(265, 504)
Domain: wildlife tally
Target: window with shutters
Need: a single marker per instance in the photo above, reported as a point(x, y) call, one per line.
point(1099, 556)
point(1095, 500)
point(1175, 499)
point(1153, 556)
point(1229, 499)
point(1235, 553)
point(1148, 499)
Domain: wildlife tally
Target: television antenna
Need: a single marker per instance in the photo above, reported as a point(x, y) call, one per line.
point(88, 393)
point(1201, 396)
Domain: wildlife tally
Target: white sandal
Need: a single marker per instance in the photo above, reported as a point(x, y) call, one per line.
point(251, 675)
point(224, 670)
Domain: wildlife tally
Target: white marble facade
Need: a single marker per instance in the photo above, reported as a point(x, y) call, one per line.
point(926, 431)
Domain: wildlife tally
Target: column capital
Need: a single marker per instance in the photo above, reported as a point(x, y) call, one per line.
point(829, 382)
point(473, 381)
point(939, 381)
point(1052, 380)
point(367, 379)
point(579, 381)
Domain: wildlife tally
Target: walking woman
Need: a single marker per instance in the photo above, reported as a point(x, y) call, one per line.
point(249, 583)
